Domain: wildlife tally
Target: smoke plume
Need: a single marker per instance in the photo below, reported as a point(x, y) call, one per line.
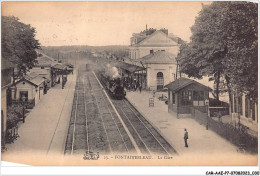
point(112, 72)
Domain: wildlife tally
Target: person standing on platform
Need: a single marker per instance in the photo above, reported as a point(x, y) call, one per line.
point(219, 116)
point(186, 137)
point(140, 88)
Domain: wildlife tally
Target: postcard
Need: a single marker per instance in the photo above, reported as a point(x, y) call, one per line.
point(123, 83)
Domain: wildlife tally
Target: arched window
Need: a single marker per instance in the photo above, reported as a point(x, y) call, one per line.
point(160, 81)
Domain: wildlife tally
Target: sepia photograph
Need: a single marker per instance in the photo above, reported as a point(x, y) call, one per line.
point(120, 83)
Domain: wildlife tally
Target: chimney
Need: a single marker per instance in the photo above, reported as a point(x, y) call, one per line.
point(164, 31)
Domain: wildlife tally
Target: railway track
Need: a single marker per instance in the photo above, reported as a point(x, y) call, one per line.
point(147, 138)
point(108, 126)
point(94, 125)
point(150, 141)
point(77, 140)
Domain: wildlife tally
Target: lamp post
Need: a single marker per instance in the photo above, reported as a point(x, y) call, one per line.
point(23, 101)
point(207, 107)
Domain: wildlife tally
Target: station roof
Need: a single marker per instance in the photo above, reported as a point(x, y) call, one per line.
point(45, 61)
point(159, 57)
point(35, 81)
point(145, 35)
point(127, 66)
point(59, 66)
point(31, 75)
point(183, 82)
point(34, 78)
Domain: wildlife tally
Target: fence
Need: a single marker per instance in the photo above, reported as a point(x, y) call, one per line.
point(29, 104)
point(199, 116)
point(215, 110)
point(236, 136)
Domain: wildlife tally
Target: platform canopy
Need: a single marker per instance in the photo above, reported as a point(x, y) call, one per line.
point(158, 57)
point(182, 83)
point(45, 61)
point(127, 66)
point(59, 66)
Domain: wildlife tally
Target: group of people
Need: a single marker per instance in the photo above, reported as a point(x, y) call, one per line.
point(63, 81)
point(132, 85)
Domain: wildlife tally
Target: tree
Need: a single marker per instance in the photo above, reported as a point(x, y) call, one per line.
point(242, 42)
point(203, 55)
point(224, 44)
point(14, 114)
point(19, 43)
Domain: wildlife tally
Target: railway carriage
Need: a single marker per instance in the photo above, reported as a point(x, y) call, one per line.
point(114, 86)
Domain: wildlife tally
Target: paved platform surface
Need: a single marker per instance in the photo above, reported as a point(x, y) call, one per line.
point(200, 140)
point(46, 126)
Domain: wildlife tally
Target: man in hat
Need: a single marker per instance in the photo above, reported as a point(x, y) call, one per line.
point(186, 137)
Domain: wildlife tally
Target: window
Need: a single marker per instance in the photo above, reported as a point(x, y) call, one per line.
point(160, 80)
point(186, 97)
point(173, 98)
point(190, 93)
point(198, 95)
point(42, 67)
point(151, 51)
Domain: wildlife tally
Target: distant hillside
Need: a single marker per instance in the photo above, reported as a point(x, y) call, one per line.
point(66, 51)
point(68, 54)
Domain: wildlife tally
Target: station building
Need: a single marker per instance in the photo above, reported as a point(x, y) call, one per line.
point(185, 94)
point(43, 67)
point(152, 40)
point(49, 69)
point(29, 90)
point(155, 51)
point(244, 110)
point(161, 67)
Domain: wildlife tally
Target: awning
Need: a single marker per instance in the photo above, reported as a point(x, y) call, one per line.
point(183, 82)
point(59, 67)
point(126, 66)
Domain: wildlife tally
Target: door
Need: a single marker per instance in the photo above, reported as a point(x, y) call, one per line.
point(160, 81)
point(24, 95)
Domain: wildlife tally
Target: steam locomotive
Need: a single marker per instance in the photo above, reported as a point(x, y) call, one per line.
point(114, 86)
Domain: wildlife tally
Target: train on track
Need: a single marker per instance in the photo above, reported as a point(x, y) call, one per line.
point(114, 86)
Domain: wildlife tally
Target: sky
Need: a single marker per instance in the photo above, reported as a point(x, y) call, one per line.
point(102, 23)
